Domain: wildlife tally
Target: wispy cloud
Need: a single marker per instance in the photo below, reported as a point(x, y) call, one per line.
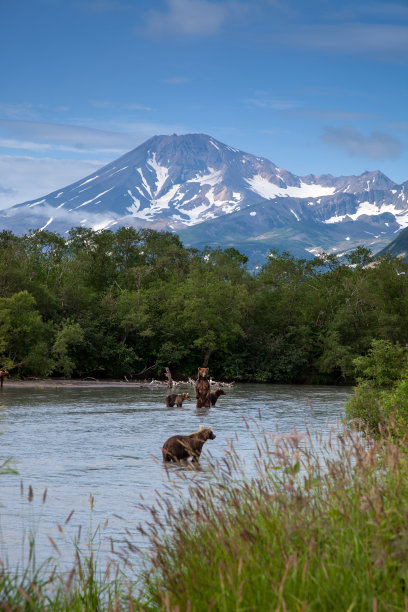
point(271, 103)
point(26, 178)
point(376, 145)
point(139, 107)
point(26, 145)
point(101, 103)
point(385, 11)
point(23, 110)
point(187, 18)
point(402, 126)
point(114, 137)
point(65, 137)
point(328, 114)
point(385, 40)
point(108, 104)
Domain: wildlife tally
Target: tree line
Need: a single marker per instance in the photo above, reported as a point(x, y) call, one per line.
point(131, 302)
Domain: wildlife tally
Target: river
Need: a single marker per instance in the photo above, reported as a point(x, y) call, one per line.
point(105, 442)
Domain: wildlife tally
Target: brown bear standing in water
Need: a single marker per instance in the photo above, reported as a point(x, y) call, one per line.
point(214, 395)
point(178, 448)
point(3, 375)
point(202, 389)
point(176, 398)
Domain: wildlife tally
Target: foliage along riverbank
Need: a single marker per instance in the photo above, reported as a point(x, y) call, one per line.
point(380, 400)
point(129, 303)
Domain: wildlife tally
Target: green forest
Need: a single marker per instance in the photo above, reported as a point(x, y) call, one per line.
point(129, 303)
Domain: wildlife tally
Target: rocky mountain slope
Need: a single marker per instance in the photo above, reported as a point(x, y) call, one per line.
point(212, 193)
point(399, 246)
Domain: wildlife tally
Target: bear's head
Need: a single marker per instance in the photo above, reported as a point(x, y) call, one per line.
point(205, 433)
point(186, 396)
point(202, 372)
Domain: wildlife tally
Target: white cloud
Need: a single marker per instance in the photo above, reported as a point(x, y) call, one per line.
point(28, 178)
point(187, 18)
point(261, 100)
point(114, 137)
point(376, 145)
point(13, 143)
point(107, 104)
point(19, 111)
point(140, 107)
point(386, 40)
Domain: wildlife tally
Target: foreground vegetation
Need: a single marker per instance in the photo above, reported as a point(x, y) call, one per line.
point(324, 533)
point(85, 584)
point(316, 529)
point(129, 303)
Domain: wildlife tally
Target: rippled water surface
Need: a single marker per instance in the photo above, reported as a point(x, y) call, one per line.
point(106, 442)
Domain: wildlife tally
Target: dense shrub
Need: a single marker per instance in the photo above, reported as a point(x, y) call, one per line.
point(380, 400)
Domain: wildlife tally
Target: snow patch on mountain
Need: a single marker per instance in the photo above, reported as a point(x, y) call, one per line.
point(120, 170)
point(214, 144)
point(372, 209)
point(263, 187)
point(135, 206)
point(36, 203)
point(88, 180)
point(197, 214)
point(212, 178)
point(295, 215)
point(162, 173)
point(95, 198)
point(165, 199)
point(144, 182)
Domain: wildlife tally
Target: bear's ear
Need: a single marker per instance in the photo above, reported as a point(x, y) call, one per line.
point(209, 428)
point(201, 427)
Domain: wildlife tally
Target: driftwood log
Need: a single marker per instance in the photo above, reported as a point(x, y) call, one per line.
point(190, 382)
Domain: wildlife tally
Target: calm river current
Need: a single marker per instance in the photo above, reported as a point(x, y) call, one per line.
point(106, 442)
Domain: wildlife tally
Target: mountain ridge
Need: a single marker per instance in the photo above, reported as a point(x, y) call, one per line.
point(188, 183)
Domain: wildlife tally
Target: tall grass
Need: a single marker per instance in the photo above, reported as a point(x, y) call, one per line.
point(317, 528)
point(55, 585)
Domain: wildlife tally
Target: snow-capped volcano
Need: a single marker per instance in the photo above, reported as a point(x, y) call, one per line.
point(176, 182)
point(169, 182)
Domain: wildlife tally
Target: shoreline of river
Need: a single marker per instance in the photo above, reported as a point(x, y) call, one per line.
point(77, 382)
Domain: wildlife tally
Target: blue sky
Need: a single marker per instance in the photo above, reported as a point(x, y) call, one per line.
point(316, 87)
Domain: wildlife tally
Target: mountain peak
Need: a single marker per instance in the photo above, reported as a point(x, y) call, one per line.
point(171, 182)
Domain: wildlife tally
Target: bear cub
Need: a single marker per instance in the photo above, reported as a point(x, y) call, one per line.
point(214, 395)
point(176, 398)
point(179, 447)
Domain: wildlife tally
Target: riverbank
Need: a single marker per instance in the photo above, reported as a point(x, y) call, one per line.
point(78, 383)
point(42, 383)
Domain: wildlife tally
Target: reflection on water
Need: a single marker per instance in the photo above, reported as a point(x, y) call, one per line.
point(106, 442)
